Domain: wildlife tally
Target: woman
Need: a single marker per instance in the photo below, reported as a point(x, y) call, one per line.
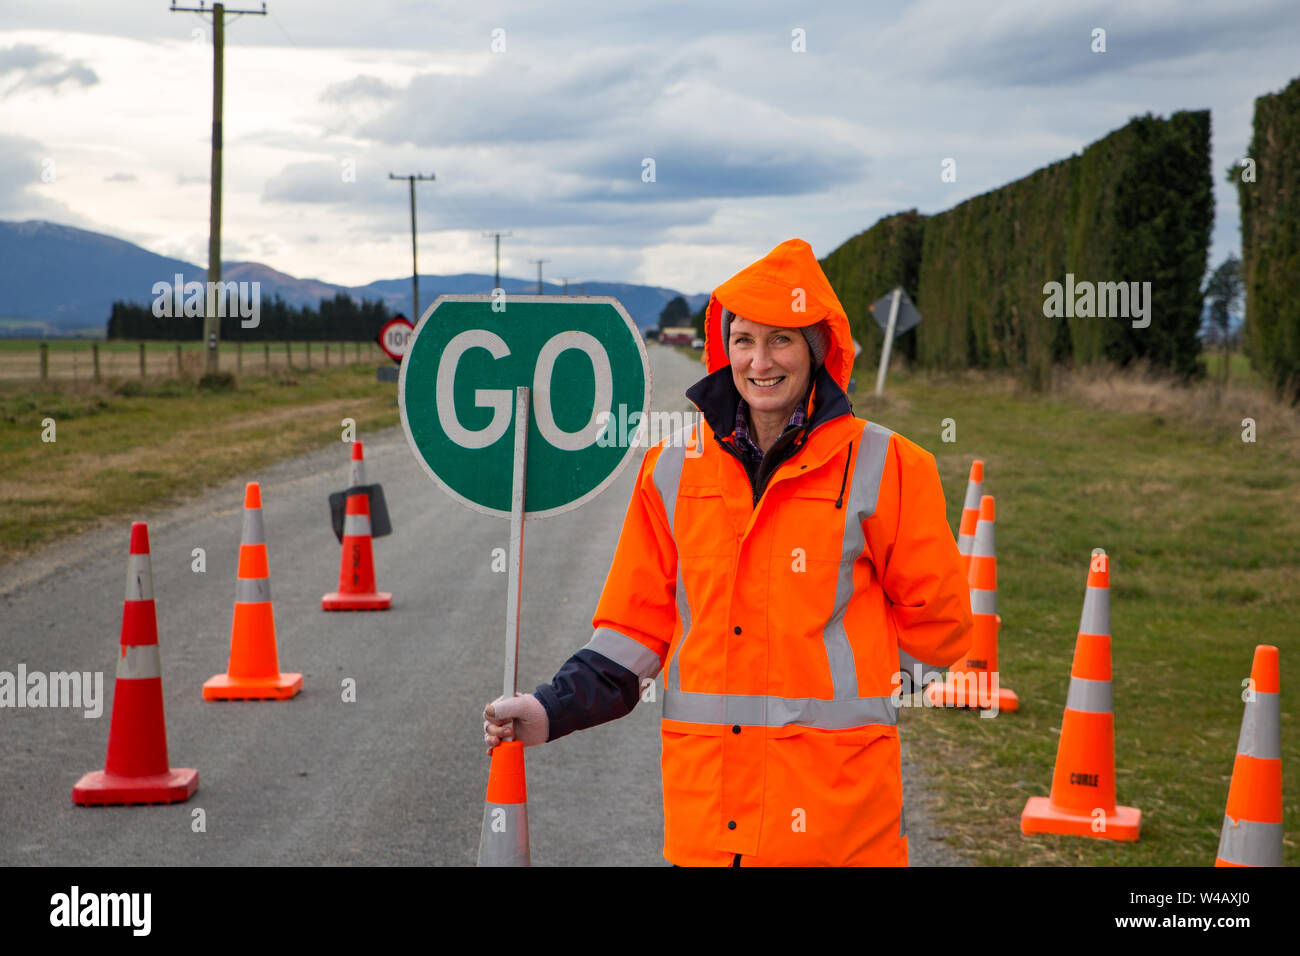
point(777, 577)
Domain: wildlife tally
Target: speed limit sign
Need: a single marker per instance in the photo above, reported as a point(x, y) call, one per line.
point(395, 338)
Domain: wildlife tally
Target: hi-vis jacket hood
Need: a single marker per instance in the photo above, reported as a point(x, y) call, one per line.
point(785, 288)
point(779, 614)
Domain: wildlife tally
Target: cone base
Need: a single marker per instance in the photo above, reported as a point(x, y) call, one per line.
point(225, 687)
point(950, 693)
point(378, 601)
point(1040, 816)
point(101, 789)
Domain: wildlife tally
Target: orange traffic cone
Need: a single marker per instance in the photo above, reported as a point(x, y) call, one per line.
point(975, 681)
point(136, 768)
point(1082, 801)
point(1252, 825)
point(970, 513)
point(504, 840)
point(357, 567)
point(357, 466)
point(254, 669)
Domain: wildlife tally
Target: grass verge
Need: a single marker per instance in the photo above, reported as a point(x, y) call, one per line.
point(1203, 533)
point(127, 446)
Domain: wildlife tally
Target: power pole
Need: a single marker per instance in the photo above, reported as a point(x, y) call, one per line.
point(565, 280)
point(415, 269)
point(211, 324)
point(496, 282)
point(539, 273)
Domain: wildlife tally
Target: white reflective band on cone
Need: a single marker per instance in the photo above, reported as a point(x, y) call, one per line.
point(139, 578)
point(984, 547)
point(1096, 612)
point(964, 543)
point(974, 492)
point(756, 711)
point(357, 474)
point(983, 602)
point(504, 840)
point(252, 590)
point(624, 651)
point(1261, 727)
point(254, 531)
point(356, 525)
point(1248, 843)
point(139, 661)
point(1089, 696)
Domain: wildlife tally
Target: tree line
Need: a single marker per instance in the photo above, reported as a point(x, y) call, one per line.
point(340, 319)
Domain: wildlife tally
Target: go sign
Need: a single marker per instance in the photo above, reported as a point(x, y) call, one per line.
point(580, 356)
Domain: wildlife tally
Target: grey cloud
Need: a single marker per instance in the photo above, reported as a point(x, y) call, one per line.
point(1031, 44)
point(358, 88)
point(121, 178)
point(41, 69)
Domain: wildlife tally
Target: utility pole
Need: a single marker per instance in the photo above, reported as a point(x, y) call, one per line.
point(539, 273)
point(415, 269)
point(496, 282)
point(565, 280)
point(211, 324)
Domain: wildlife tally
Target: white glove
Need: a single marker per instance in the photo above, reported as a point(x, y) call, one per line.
point(522, 718)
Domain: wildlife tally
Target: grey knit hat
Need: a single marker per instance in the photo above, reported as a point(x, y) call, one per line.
point(817, 336)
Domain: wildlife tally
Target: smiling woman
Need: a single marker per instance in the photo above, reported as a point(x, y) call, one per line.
point(777, 567)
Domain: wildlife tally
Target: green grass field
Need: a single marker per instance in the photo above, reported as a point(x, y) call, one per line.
point(71, 360)
point(1202, 529)
point(1203, 534)
point(132, 446)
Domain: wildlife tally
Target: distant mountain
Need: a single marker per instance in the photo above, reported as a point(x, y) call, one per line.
point(58, 280)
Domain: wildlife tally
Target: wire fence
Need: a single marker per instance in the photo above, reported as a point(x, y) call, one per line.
point(81, 361)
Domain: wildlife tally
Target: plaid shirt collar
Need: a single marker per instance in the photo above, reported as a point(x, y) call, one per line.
point(741, 434)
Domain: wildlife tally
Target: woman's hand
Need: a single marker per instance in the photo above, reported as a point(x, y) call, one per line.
point(522, 718)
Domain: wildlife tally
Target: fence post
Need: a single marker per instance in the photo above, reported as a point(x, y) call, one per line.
point(309, 354)
point(358, 350)
point(180, 362)
point(266, 354)
point(45, 363)
point(239, 357)
point(142, 360)
point(288, 356)
point(94, 354)
point(327, 355)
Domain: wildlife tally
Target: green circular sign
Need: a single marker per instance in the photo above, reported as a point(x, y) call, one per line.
point(581, 357)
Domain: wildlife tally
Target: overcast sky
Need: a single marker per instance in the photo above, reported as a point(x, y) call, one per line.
point(105, 113)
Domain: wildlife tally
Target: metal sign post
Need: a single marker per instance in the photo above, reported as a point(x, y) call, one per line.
point(889, 343)
point(572, 365)
point(516, 586)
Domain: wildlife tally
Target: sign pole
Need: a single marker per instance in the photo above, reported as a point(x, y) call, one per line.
point(889, 342)
point(516, 584)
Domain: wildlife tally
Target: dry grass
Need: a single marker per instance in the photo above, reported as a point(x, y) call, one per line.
point(1206, 404)
point(120, 450)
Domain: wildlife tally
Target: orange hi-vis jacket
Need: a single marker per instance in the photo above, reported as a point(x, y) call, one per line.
point(778, 614)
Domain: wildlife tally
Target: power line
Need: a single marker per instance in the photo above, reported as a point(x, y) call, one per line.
point(211, 325)
point(496, 282)
point(414, 178)
point(539, 273)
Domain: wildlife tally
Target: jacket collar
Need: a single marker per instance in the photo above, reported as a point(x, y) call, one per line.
point(716, 397)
